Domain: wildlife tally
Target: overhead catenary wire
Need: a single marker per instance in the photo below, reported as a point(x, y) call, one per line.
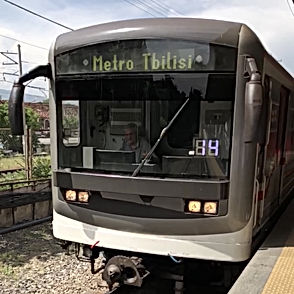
point(166, 7)
point(150, 7)
point(27, 85)
point(24, 42)
point(16, 74)
point(9, 73)
point(140, 7)
point(159, 6)
point(155, 8)
point(39, 15)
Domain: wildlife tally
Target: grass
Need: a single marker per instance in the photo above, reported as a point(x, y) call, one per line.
point(12, 162)
point(18, 161)
point(6, 270)
point(8, 262)
point(41, 168)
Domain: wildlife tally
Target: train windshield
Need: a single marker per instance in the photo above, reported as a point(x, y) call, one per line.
point(109, 122)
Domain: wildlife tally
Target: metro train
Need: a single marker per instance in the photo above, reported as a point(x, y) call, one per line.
point(170, 138)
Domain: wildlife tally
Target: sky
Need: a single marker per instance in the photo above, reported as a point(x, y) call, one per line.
point(271, 20)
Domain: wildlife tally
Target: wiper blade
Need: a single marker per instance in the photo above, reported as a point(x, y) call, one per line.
point(162, 134)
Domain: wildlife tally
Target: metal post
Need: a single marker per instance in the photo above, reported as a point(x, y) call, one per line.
point(25, 136)
point(30, 154)
point(19, 60)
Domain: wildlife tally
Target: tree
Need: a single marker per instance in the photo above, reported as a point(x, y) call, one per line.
point(32, 119)
point(15, 142)
point(4, 115)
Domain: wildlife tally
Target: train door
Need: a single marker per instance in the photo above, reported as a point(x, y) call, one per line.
point(265, 155)
point(271, 155)
point(281, 137)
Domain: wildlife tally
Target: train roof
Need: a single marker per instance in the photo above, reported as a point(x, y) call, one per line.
point(213, 31)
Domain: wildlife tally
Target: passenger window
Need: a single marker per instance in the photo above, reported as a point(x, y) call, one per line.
point(70, 123)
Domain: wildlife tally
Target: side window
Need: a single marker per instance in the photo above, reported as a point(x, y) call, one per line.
point(282, 122)
point(71, 122)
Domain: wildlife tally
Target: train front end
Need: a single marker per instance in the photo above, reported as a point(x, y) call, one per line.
point(179, 89)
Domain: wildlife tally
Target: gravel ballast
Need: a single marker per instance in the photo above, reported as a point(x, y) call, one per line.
point(32, 261)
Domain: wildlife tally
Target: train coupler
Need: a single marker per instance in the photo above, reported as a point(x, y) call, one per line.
point(121, 270)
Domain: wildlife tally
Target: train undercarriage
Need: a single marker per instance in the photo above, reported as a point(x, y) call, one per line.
point(144, 274)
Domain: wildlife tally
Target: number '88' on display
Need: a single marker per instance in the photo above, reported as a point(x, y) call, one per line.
point(206, 147)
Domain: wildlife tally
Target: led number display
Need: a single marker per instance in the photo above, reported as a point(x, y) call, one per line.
point(207, 147)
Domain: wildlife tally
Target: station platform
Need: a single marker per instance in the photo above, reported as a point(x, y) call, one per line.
point(271, 269)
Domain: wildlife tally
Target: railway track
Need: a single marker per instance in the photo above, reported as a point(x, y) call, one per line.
point(154, 285)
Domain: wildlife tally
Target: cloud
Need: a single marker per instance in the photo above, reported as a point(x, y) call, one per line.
point(272, 23)
point(31, 56)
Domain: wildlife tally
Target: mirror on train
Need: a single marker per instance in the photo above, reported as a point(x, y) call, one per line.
point(15, 112)
point(253, 103)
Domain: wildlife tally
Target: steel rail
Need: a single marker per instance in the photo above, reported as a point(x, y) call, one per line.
point(25, 225)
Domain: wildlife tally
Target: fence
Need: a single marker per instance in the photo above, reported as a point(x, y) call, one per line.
point(34, 163)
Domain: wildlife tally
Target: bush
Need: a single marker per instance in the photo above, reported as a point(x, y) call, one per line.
point(41, 167)
point(12, 177)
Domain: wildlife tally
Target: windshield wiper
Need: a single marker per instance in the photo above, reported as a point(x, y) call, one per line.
point(162, 134)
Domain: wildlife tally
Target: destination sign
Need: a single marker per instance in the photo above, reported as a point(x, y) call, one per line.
point(150, 61)
point(138, 56)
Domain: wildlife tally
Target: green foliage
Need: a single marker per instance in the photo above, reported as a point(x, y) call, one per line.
point(4, 123)
point(41, 167)
point(6, 270)
point(10, 163)
point(8, 262)
point(15, 142)
point(32, 119)
point(12, 177)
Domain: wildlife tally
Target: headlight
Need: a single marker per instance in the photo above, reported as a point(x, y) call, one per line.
point(210, 207)
point(70, 195)
point(83, 196)
point(194, 206)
